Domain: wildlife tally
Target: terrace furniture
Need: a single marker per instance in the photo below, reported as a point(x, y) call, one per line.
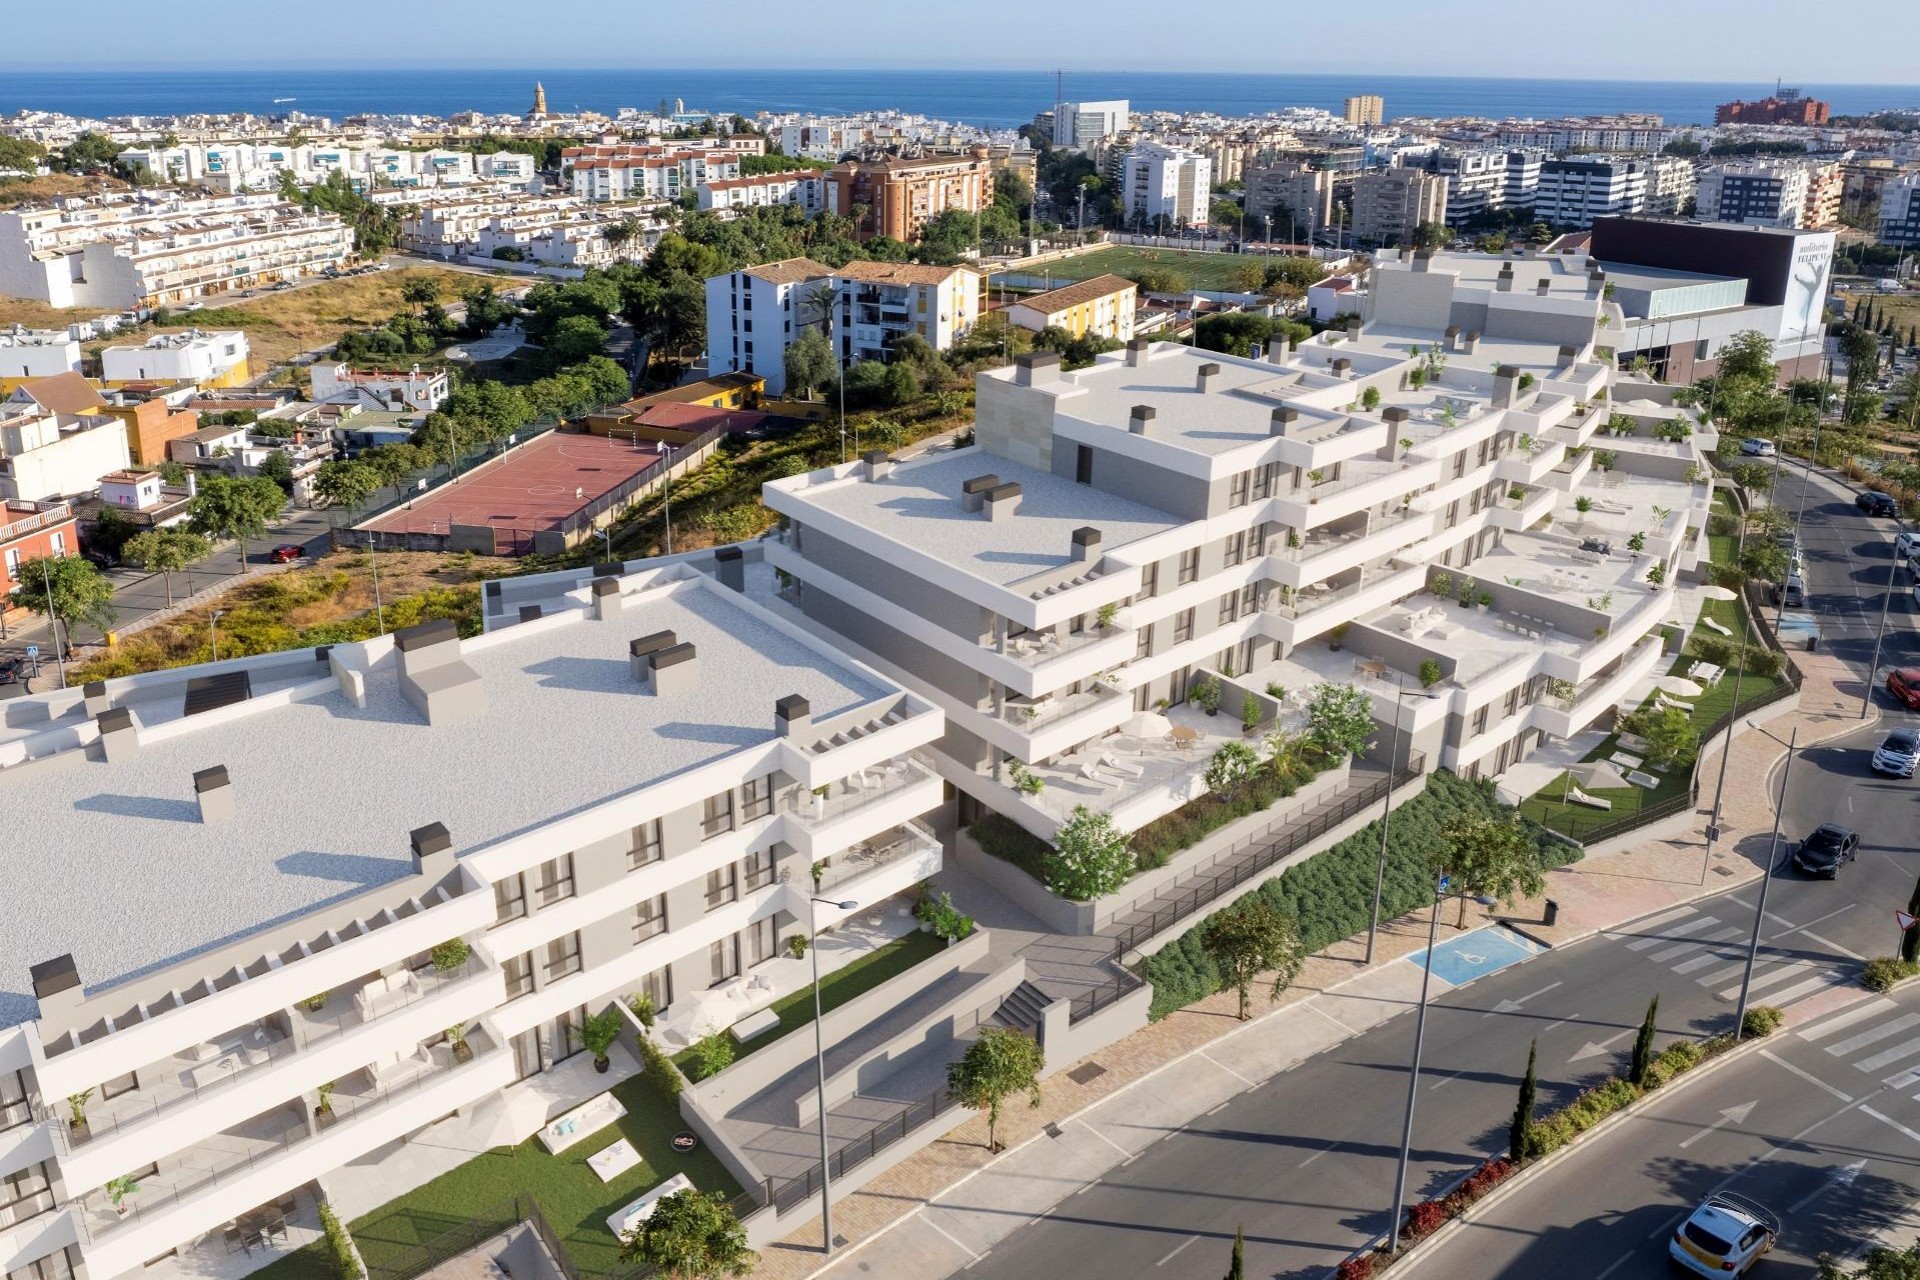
point(1114, 765)
point(615, 1160)
point(1626, 761)
point(1705, 673)
point(230, 1062)
point(1633, 742)
point(1664, 702)
point(1184, 736)
point(1576, 796)
point(754, 1024)
point(1640, 779)
point(621, 1221)
point(389, 992)
point(580, 1123)
point(398, 1065)
point(1093, 775)
point(1709, 622)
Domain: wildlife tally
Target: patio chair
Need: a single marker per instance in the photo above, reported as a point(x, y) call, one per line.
point(1114, 764)
point(1099, 779)
point(1576, 796)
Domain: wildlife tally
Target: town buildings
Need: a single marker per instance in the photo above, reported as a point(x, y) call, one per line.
point(235, 167)
point(1783, 107)
point(1766, 193)
point(413, 390)
point(619, 171)
point(895, 195)
point(1364, 109)
point(1166, 185)
point(1389, 205)
point(1296, 194)
point(1104, 305)
point(36, 353)
point(805, 188)
point(57, 440)
point(156, 249)
point(207, 359)
point(1575, 190)
point(503, 223)
point(1075, 124)
point(1899, 223)
point(29, 531)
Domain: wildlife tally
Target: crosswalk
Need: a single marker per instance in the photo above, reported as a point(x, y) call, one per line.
point(1712, 952)
point(1873, 1036)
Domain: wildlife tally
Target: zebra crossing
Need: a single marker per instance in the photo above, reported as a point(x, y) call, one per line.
point(1873, 1036)
point(1713, 953)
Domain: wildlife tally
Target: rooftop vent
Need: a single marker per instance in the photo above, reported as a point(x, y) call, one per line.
point(56, 985)
point(1283, 418)
point(1503, 283)
point(1469, 341)
point(640, 654)
point(875, 464)
point(607, 602)
point(119, 735)
point(1423, 260)
point(792, 716)
point(1141, 419)
point(1137, 351)
point(1341, 367)
point(730, 566)
point(974, 491)
point(1279, 347)
point(675, 670)
point(1035, 367)
point(1506, 379)
point(1541, 289)
point(1208, 372)
point(1086, 544)
point(214, 790)
point(1003, 501)
point(432, 847)
point(95, 692)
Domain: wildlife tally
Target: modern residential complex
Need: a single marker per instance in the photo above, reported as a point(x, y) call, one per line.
point(1770, 193)
point(803, 187)
point(495, 222)
point(1574, 191)
point(1364, 109)
point(899, 193)
point(755, 313)
point(1482, 181)
point(1390, 204)
point(158, 248)
point(239, 167)
point(1899, 223)
point(1104, 305)
point(1075, 124)
point(1166, 184)
point(208, 359)
point(1784, 106)
point(274, 989)
point(620, 171)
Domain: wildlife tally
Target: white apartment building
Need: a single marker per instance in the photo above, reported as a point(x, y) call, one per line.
point(1641, 137)
point(157, 249)
point(414, 390)
point(1389, 205)
point(1576, 190)
point(754, 314)
point(825, 139)
point(207, 359)
point(56, 445)
point(1487, 180)
point(803, 187)
point(1900, 211)
point(1756, 194)
point(233, 973)
point(1670, 184)
point(1117, 531)
point(1160, 181)
point(516, 167)
point(560, 231)
point(1075, 124)
point(624, 172)
point(36, 353)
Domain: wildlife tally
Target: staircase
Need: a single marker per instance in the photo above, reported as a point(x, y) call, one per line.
point(1023, 1009)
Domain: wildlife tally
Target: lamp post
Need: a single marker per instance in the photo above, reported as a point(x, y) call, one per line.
point(1766, 879)
point(1879, 636)
point(373, 558)
point(1413, 1080)
point(53, 617)
point(213, 629)
point(1386, 816)
point(666, 481)
point(1726, 748)
point(820, 1060)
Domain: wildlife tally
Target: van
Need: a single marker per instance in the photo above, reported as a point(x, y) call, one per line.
point(1793, 594)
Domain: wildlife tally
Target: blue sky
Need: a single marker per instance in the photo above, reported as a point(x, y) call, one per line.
point(1752, 41)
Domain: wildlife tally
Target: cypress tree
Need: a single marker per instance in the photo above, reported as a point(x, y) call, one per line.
point(1523, 1112)
point(1643, 1044)
point(1238, 1271)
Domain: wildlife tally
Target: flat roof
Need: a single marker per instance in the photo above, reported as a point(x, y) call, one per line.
point(1236, 409)
point(112, 864)
point(918, 506)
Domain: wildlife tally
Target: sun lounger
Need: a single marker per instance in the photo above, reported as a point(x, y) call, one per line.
point(1640, 779)
point(1709, 622)
point(1094, 775)
point(1115, 765)
point(1576, 796)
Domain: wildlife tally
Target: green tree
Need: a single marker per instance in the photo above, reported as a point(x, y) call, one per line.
point(345, 484)
point(1523, 1109)
point(67, 589)
point(575, 338)
point(393, 463)
point(1432, 235)
point(1671, 739)
point(1250, 938)
point(1643, 1044)
point(1763, 558)
point(691, 1235)
point(166, 552)
point(238, 507)
point(1489, 857)
point(1237, 1269)
point(1880, 1263)
point(1232, 764)
point(278, 469)
point(1340, 719)
point(419, 290)
point(998, 1064)
point(809, 363)
point(110, 531)
point(1090, 856)
point(1754, 477)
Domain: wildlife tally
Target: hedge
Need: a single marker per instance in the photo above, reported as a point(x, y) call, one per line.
point(1003, 838)
point(1882, 972)
point(1156, 843)
point(1330, 895)
point(659, 1070)
point(339, 1244)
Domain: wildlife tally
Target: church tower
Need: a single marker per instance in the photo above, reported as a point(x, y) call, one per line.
point(539, 109)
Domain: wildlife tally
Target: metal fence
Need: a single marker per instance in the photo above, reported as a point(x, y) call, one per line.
point(783, 1194)
point(690, 454)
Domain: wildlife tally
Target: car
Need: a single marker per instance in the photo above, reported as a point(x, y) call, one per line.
point(1907, 545)
point(1904, 684)
point(1899, 753)
point(1875, 503)
point(1791, 594)
point(1825, 848)
point(1757, 448)
point(286, 553)
point(1726, 1235)
point(9, 668)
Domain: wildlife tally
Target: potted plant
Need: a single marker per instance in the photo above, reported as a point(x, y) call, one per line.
point(450, 955)
point(1293, 540)
point(1486, 600)
point(1106, 613)
point(457, 1040)
point(1430, 675)
point(817, 870)
point(118, 1189)
point(1370, 398)
point(797, 946)
point(1442, 585)
point(1406, 442)
point(820, 800)
point(597, 1034)
point(77, 1108)
point(1657, 575)
point(1276, 691)
point(1583, 504)
point(1249, 714)
point(323, 1105)
point(1206, 691)
point(1335, 636)
point(314, 1004)
point(641, 1006)
point(1025, 781)
point(1466, 593)
point(1638, 542)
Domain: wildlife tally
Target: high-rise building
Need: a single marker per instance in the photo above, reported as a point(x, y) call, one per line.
point(900, 193)
point(1389, 204)
point(1757, 193)
point(1075, 124)
point(1486, 180)
point(1900, 212)
point(1364, 109)
point(1167, 184)
point(1297, 195)
point(1577, 189)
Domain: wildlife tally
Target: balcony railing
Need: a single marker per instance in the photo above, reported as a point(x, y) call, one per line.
point(1030, 717)
point(1035, 648)
point(345, 1008)
point(179, 1083)
point(869, 855)
point(856, 791)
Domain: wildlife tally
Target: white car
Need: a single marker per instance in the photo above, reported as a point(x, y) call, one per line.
point(1726, 1235)
point(1757, 448)
point(1907, 545)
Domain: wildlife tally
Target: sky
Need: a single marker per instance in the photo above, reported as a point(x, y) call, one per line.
point(1751, 41)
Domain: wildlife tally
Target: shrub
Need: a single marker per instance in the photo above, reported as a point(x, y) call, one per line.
point(1762, 1020)
point(1713, 649)
point(339, 1245)
point(1423, 1219)
point(1882, 972)
point(659, 1070)
point(1356, 1268)
point(1001, 837)
point(1676, 1059)
point(1430, 673)
point(451, 954)
point(1090, 856)
point(712, 1054)
point(1762, 661)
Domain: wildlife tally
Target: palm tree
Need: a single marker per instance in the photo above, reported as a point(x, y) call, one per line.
point(819, 299)
point(622, 235)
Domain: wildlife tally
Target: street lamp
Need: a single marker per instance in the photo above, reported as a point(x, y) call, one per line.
point(53, 617)
point(1413, 1081)
point(820, 1060)
point(1879, 636)
point(1386, 816)
point(213, 628)
point(666, 485)
point(373, 558)
point(1766, 879)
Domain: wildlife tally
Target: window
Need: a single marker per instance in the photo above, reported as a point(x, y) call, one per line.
point(518, 971)
point(723, 886)
point(1249, 601)
point(1082, 464)
point(14, 1108)
point(1229, 607)
point(1513, 700)
point(556, 879)
point(723, 960)
point(1480, 721)
point(658, 987)
point(760, 941)
point(563, 956)
point(756, 798)
point(1263, 479)
point(59, 543)
point(717, 816)
point(1149, 581)
point(1143, 642)
point(759, 868)
point(1261, 532)
point(1239, 486)
point(509, 899)
point(55, 1266)
point(647, 846)
point(25, 1193)
point(1236, 549)
point(650, 918)
point(1189, 566)
point(566, 1033)
point(1183, 626)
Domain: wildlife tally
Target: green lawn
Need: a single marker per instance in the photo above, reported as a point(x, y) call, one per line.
point(1212, 271)
point(837, 988)
point(573, 1199)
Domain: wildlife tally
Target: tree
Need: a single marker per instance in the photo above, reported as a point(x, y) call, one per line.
point(1232, 764)
point(1523, 1109)
point(998, 1064)
point(66, 588)
point(1763, 558)
point(1672, 741)
point(1250, 938)
point(1489, 857)
point(1754, 477)
point(1880, 1263)
point(345, 484)
point(237, 507)
point(1090, 856)
point(166, 552)
point(1643, 1044)
point(419, 290)
point(1339, 719)
point(276, 468)
point(393, 463)
point(575, 338)
point(809, 363)
point(1432, 235)
point(1237, 1269)
point(691, 1235)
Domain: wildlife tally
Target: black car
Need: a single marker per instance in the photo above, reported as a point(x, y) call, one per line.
point(1822, 852)
point(9, 668)
point(1875, 503)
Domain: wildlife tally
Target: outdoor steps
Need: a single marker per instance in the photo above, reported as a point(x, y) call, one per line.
point(1023, 1008)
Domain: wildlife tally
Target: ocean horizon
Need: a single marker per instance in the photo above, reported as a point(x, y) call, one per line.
point(994, 99)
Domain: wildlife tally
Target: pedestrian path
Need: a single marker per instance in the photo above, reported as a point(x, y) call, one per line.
point(1872, 1037)
point(1712, 951)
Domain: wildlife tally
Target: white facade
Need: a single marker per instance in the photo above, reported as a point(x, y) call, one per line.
point(416, 389)
point(29, 353)
point(47, 456)
point(1755, 194)
point(1575, 191)
point(1900, 211)
point(1487, 180)
point(1075, 124)
point(824, 139)
point(186, 355)
point(804, 187)
point(624, 172)
point(1160, 181)
point(560, 230)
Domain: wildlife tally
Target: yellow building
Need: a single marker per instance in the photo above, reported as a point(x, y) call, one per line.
point(1365, 108)
point(1103, 305)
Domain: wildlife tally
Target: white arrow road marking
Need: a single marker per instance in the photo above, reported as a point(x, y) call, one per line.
point(1728, 1115)
point(1808, 1076)
point(1842, 1177)
point(1592, 1050)
point(1176, 1251)
point(1513, 1006)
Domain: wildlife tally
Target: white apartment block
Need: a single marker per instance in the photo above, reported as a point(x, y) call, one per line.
point(825, 139)
point(1576, 190)
point(1160, 181)
point(246, 166)
point(625, 172)
point(49, 453)
point(1900, 211)
point(413, 390)
point(1670, 184)
point(1559, 138)
point(1770, 193)
point(1075, 124)
point(1389, 205)
point(803, 187)
point(1487, 180)
point(561, 231)
point(207, 359)
point(1119, 530)
point(272, 938)
point(36, 353)
point(157, 249)
point(754, 314)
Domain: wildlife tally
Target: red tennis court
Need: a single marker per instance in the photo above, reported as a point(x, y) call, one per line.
point(532, 489)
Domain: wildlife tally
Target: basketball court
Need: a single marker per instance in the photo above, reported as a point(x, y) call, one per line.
point(530, 490)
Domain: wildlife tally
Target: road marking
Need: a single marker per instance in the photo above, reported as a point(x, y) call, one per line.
point(1831, 945)
point(1808, 1076)
point(1796, 928)
point(1316, 1155)
point(1847, 1019)
point(1801, 990)
point(1841, 1177)
point(1866, 1038)
point(1514, 1006)
point(1721, 975)
point(1555, 1026)
point(1889, 1121)
point(1329, 1017)
point(1651, 922)
point(1677, 931)
point(1176, 1251)
point(1592, 1050)
point(1619, 1262)
point(957, 1242)
point(1765, 978)
point(1700, 962)
point(1104, 1138)
point(1707, 940)
point(1542, 991)
point(1891, 1056)
point(1236, 1075)
point(1447, 1079)
point(1728, 1115)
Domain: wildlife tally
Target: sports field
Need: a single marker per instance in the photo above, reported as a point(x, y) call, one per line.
point(1210, 271)
point(534, 488)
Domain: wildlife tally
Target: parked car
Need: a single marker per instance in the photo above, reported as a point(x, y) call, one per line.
point(1898, 754)
point(1726, 1235)
point(286, 553)
point(9, 668)
point(1757, 448)
point(1907, 545)
point(1904, 684)
point(1825, 848)
point(1791, 594)
point(1875, 503)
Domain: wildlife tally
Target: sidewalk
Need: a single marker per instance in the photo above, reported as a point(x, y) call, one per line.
point(939, 1210)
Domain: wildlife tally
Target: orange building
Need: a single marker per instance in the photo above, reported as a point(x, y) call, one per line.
point(900, 193)
point(150, 424)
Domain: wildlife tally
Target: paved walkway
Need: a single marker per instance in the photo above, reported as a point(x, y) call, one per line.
point(943, 1207)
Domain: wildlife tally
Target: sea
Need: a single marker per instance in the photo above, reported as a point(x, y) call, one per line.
point(993, 99)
